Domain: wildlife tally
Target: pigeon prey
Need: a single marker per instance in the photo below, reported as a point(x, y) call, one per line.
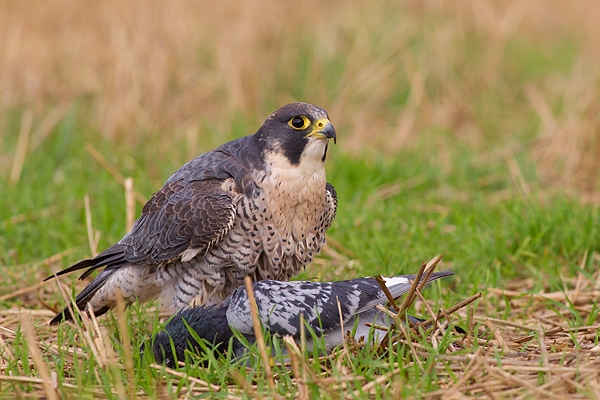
point(257, 206)
point(280, 305)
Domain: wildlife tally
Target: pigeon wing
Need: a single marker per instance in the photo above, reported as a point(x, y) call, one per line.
point(280, 305)
point(322, 305)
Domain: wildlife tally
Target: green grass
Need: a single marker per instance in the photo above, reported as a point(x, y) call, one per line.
point(490, 234)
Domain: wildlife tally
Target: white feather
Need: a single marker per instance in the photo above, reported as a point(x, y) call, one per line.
point(395, 280)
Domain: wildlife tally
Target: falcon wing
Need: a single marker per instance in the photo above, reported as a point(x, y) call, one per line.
point(332, 202)
point(190, 211)
point(182, 216)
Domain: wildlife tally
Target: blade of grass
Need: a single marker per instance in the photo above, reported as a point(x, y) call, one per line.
point(126, 347)
point(36, 357)
point(112, 170)
point(22, 144)
point(129, 204)
point(258, 333)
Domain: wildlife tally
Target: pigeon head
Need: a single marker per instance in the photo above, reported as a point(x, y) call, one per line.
point(208, 323)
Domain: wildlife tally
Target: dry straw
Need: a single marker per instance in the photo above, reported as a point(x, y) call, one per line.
point(500, 358)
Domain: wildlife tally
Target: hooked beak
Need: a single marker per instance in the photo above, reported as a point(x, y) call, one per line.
point(323, 129)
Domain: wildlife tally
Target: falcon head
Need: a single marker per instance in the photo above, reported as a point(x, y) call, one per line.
point(297, 133)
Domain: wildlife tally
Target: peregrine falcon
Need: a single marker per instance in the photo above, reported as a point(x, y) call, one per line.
point(280, 305)
point(257, 206)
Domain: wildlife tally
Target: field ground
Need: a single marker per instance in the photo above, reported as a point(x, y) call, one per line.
point(466, 128)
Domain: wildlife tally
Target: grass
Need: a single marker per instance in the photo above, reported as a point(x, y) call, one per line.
point(465, 128)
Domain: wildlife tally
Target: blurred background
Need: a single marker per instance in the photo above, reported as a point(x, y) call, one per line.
point(465, 100)
point(489, 74)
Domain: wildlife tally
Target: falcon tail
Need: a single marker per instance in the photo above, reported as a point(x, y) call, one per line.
point(114, 257)
point(84, 297)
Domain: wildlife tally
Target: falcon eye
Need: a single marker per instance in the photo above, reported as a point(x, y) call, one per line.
point(299, 123)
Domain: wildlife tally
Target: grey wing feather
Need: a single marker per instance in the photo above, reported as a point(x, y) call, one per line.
point(168, 225)
point(231, 160)
point(182, 215)
point(175, 219)
point(280, 304)
point(191, 210)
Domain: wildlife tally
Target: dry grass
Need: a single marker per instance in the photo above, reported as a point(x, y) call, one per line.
point(533, 354)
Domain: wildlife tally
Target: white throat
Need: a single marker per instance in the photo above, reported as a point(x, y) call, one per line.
point(298, 191)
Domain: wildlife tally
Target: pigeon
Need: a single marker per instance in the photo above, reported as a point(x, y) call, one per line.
point(281, 307)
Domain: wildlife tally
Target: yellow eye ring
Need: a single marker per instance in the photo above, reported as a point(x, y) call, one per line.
point(299, 122)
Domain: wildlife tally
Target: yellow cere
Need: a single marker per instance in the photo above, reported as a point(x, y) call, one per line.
point(318, 126)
